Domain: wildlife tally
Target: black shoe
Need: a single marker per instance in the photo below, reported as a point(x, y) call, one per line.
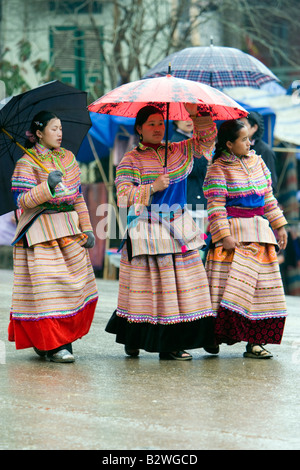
point(62, 356)
point(212, 349)
point(132, 352)
point(40, 353)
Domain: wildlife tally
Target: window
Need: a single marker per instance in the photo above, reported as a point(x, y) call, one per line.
point(66, 7)
point(76, 53)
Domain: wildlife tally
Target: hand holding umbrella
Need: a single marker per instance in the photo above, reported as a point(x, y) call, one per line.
point(54, 178)
point(161, 182)
point(191, 108)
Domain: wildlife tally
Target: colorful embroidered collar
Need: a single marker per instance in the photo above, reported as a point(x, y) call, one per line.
point(47, 154)
point(229, 156)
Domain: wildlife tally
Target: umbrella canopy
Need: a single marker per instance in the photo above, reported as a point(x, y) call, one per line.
point(168, 94)
point(16, 114)
point(215, 66)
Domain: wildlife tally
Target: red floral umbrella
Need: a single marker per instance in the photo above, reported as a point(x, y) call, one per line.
point(168, 94)
point(127, 99)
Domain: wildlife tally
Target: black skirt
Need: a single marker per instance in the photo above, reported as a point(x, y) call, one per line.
point(162, 338)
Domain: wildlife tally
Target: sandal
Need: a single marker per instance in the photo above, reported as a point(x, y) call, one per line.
point(132, 352)
point(177, 356)
point(260, 353)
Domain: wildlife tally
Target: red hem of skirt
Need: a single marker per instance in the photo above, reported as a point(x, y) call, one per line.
point(231, 328)
point(50, 333)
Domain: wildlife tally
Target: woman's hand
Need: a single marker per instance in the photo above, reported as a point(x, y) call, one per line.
point(282, 238)
point(192, 108)
point(161, 183)
point(90, 240)
point(54, 178)
point(230, 243)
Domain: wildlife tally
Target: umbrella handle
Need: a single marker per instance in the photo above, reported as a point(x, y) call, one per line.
point(167, 138)
point(25, 150)
point(167, 128)
point(34, 157)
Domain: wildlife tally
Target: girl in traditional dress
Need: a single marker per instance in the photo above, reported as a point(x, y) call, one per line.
point(54, 292)
point(163, 304)
point(242, 268)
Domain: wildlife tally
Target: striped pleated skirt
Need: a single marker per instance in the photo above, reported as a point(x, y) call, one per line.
point(247, 294)
point(163, 303)
point(54, 294)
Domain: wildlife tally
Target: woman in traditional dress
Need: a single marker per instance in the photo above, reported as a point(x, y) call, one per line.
point(242, 268)
point(163, 304)
point(54, 292)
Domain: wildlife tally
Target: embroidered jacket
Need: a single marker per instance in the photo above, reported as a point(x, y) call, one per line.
point(33, 196)
point(241, 183)
point(141, 166)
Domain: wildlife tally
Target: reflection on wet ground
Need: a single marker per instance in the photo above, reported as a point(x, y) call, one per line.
point(108, 401)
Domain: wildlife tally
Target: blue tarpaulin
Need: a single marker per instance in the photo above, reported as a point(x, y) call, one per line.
point(103, 132)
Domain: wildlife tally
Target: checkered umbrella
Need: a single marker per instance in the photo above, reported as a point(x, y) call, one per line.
point(218, 67)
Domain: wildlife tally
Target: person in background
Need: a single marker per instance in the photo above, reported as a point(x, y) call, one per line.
point(54, 292)
point(195, 198)
point(164, 304)
point(242, 267)
point(255, 124)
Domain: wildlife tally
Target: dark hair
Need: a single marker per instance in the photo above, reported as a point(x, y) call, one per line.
point(144, 113)
point(229, 130)
point(39, 122)
point(256, 118)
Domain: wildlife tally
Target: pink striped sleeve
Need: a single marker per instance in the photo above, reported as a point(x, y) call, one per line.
point(34, 197)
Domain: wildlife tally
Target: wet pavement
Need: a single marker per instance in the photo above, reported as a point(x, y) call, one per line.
point(107, 401)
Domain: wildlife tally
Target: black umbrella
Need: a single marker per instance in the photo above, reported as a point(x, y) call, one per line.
point(68, 103)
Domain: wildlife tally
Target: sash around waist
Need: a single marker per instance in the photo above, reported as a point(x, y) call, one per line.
point(252, 229)
point(233, 211)
point(154, 234)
